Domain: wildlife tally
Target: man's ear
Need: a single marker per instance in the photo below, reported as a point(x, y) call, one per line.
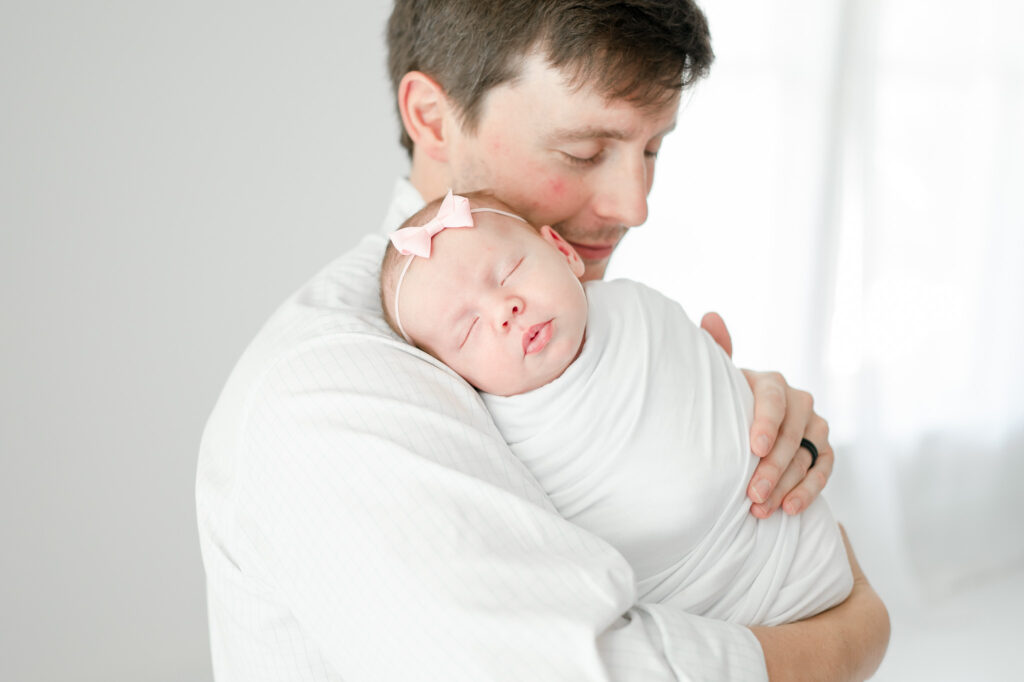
point(424, 108)
point(565, 248)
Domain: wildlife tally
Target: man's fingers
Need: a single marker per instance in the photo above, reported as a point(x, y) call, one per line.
point(713, 324)
point(806, 490)
point(769, 474)
point(790, 478)
point(784, 476)
point(770, 405)
point(799, 484)
point(812, 484)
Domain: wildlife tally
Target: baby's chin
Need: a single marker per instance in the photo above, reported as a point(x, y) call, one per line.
point(509, 391)
point(520, 385)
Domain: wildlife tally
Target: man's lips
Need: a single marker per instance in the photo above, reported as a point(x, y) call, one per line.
point(594, 251)
point(536, 337)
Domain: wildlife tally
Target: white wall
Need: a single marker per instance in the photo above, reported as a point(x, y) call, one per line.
point(169, 172)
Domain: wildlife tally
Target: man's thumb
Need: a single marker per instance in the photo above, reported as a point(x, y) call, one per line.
point(713, 324)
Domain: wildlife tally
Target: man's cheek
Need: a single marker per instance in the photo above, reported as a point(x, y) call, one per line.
point(555, 188)
point(538, 192)
point(497, 148)
point(557, 199)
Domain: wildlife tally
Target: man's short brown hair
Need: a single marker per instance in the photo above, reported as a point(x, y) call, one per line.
point(643, 51)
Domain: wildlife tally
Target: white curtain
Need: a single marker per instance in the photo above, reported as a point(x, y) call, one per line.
point(847, 189)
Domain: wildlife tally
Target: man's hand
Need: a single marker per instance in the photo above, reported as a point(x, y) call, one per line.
point(783, 416)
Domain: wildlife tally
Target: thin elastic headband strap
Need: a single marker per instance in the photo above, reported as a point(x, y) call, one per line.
point(498, 211)
point(408, 262)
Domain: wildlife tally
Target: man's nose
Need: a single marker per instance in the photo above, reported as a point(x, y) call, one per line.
point(622, 196)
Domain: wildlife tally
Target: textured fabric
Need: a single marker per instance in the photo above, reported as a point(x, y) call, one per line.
point(644, 441)
point(338, 546)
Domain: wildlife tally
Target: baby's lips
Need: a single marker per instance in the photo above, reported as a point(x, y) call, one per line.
point(536, 337)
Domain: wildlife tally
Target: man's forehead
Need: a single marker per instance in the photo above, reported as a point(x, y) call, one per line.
point(573, 112)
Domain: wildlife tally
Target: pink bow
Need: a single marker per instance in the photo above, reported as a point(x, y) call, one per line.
point(454, 212)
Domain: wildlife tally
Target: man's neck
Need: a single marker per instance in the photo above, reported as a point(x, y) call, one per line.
point(431, 178)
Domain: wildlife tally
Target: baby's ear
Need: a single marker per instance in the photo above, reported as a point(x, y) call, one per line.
point(565, 248)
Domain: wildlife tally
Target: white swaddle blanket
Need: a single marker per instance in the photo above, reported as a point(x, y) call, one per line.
point(644, 441)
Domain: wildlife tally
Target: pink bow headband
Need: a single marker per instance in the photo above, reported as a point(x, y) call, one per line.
point(416, 241)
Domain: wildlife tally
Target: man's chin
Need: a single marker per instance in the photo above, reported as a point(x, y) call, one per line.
point(594, 269)
point(591, 252)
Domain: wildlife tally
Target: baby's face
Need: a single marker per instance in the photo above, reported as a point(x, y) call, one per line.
point(498, 303)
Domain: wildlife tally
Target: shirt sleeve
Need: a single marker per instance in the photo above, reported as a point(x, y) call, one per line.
point(374, 506)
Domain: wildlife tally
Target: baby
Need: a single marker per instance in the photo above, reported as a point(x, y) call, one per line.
point(632, 419)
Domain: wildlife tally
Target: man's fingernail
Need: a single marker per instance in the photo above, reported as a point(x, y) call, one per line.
point(763, 444)
point(793, 506)
point(761, 490)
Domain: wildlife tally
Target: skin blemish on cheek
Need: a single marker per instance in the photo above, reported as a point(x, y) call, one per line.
point(556, 187)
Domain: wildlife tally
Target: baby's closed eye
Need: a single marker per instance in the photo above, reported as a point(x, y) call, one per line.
point(468, 332)
point(514, 268)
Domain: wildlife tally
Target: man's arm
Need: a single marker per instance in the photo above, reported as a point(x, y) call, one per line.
point(844, 643)
point(783, 415)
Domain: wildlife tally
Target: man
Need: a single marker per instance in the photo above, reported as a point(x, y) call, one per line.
point(360, 517)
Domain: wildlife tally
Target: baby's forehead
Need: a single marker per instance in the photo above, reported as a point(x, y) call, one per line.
point(490, 235)
point(473, 250)
point(505, 224)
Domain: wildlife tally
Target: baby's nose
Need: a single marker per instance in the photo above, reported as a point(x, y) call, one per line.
point(511, 309)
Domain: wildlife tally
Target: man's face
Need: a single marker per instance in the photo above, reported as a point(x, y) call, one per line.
point(570, 159)
point(498, 303)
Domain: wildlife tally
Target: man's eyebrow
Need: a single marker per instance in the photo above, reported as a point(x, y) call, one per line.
point(587, 133)
point(596, 133)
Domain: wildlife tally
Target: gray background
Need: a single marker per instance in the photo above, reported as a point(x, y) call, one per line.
point(169, 172)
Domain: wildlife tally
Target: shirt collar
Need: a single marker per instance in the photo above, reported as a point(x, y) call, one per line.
point(405, 200)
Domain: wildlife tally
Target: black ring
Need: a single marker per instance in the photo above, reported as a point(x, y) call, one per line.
point(804, 443)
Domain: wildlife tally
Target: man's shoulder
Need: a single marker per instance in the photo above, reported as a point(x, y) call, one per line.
point(339, 304)
point(329, 333)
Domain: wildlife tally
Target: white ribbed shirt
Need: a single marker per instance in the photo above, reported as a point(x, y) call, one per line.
point(361, 518)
